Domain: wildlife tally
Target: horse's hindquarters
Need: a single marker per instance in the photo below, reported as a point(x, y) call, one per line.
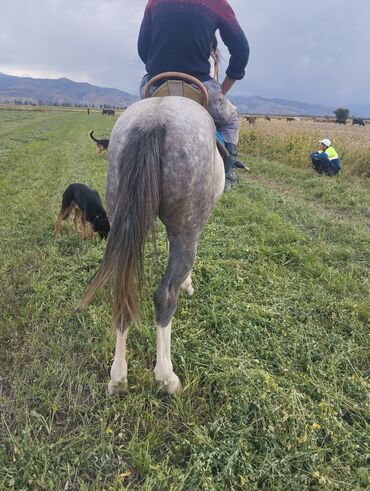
point(177, 156)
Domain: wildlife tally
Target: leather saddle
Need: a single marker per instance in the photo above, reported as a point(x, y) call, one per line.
point(183, 85)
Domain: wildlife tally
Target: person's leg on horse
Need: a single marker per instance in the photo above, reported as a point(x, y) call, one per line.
point(227, 123)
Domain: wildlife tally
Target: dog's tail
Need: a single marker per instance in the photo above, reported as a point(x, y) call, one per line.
point(93, 137)
point(139, 177)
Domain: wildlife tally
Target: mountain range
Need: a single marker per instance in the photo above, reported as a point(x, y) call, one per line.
point(262, 105)
point(63, 91)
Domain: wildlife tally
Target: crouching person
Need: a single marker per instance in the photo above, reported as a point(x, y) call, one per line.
point(326, 160)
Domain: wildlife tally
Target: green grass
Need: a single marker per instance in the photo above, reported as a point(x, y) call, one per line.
point(272, 351)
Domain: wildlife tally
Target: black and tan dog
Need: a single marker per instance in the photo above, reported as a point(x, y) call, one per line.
point(87, 207)
point(101, 145)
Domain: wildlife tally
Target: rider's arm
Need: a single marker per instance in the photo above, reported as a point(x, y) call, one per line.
point(227, 84)
point(322, 155)
point(235, 40)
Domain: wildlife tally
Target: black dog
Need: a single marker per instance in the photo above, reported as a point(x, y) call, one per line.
point(100, 144)
point(87, 206)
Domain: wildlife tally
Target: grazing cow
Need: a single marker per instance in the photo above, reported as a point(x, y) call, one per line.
point(290, 119)
point(108, 112)
point(251, 119)
point(267, 118)
point(341, 121)
point(358, 121)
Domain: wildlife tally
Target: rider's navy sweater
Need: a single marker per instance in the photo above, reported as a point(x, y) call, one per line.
point(176, 35)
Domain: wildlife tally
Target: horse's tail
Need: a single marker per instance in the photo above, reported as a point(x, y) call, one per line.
point(137, 203)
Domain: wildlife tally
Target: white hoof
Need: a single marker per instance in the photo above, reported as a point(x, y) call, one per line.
point(171, 385)
point(116, 387)
point(189, 290)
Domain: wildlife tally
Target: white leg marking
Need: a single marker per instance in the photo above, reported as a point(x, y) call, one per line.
point(187, 286)
point(169, 382)
point(118, 372)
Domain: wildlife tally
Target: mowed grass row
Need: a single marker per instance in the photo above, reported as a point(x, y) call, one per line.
point(272, 350)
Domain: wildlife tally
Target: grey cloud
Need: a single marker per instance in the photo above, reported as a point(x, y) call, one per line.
point(311, 50)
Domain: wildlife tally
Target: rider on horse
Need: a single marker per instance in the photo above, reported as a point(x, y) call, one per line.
point(177, 35)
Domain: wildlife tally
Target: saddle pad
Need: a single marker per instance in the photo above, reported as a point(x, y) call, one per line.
point(178, 88)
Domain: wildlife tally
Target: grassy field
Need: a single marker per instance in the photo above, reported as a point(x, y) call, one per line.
point(272, 350)
point(291, 142)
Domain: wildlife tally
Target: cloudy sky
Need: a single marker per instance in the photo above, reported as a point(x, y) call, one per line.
point(308, 50)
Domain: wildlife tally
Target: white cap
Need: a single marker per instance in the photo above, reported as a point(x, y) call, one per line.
point(326, 142)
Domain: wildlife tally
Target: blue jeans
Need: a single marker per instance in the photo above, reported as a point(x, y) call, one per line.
point(324, 165)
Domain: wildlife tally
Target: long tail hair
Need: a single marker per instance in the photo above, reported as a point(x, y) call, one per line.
point(137, 203)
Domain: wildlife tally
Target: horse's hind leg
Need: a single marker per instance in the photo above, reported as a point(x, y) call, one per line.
point(187, 284)
point(168, 381)
point(118, 372)
point(180, 262)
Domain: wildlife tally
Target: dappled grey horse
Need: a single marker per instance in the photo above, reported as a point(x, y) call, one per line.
point(163, 161)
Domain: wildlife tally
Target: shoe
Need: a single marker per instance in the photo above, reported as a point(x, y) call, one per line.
point(230, 163)
point(231, 178)
point(231, 148)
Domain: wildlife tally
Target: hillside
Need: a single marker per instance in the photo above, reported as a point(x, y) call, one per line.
point(60, 91)
point(262, 105)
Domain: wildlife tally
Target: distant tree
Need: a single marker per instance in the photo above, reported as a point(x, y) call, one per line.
point(341, 114)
